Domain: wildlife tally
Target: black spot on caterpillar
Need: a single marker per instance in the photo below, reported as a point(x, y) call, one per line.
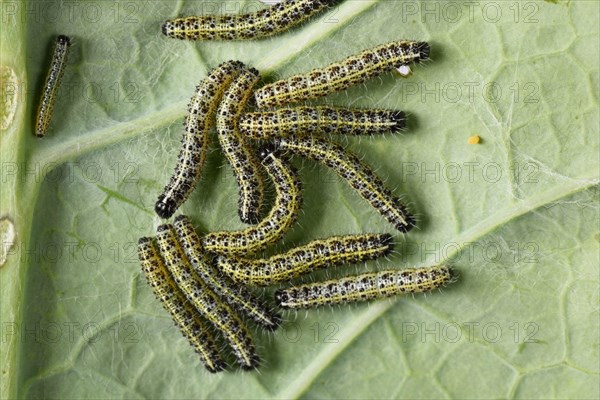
point(358, 175)
point(182, 312)
point(206, 302)
point(336, 250)
point(194, 144)
point(263, 23)
point(52, 85)
point(240, 299)
point(364, 287)
point(341, 75)
point(240, 155)
point(306, 120)
point(255, 238)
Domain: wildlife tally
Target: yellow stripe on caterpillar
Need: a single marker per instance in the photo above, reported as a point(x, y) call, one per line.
point(284, 122)
point(268, 22)
point(198, 121)
point(52, 85)
point(240, 154)
point(274, 226)
point(374, 285)
point(357, 174)
point(206, 302)
point(236, 295)
point(317, 254)
point(174, 301)
point(341, 75)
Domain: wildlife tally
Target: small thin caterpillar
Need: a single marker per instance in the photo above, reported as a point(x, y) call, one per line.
point(263, 23)
point(358, 175)
point(239, 154)
point(336, 250)
point(195, 141)
point(364, 287)
point(305, 120)
point(236, 295)
point(53, 81)
point(341, 75)
point(182, 312)
point(208, 304)
point(288, 200)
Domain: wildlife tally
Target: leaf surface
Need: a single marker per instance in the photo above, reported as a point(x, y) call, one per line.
point(516, 215)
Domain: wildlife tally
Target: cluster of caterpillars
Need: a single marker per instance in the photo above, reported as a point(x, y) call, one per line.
point(205, 280)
